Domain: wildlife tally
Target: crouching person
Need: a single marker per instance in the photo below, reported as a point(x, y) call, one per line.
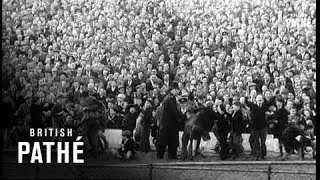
point(309, 142)
point(202, 125)
point(126, 151)
point(292, 138)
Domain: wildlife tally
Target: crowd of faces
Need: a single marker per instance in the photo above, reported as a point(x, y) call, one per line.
point(233, 49)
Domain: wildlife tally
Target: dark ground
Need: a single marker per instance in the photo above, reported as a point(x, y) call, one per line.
point(10, 156)
point(205, 166)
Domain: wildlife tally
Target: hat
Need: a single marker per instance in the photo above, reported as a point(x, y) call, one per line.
point(138, 86)
point(132, 105)
point(150, 100)
point(280, 99)
point(121, 96)
point(237, 103)
point(309, 124)
point(301, 123)
point(34, 99)
point(54, 69)
point(111, 98)
point(174, 85)
point(61, 96)
point(126, 133)
point(219, 98)
point(90, 103)
point(28, 94)
point(63, 73)
point(285, 91)
point(184, 95)
point(183, 100)
point(252, 84)
point(272, 122)
point(209, 103)
point(120, 86)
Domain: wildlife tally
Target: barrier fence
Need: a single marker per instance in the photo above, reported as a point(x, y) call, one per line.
point(247, 170)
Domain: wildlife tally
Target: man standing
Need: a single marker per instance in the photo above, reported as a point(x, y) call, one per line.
point(146, 120)
point(258, 112)
point(168, 125)
point(237, 126)
point(222, 128)
point(280, 119)
point(188, 118)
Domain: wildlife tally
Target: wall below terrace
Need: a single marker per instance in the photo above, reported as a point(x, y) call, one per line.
point(114, 138)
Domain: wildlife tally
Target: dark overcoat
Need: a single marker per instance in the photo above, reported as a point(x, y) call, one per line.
point(237, 122)
point(282, 116)
point(169, 121)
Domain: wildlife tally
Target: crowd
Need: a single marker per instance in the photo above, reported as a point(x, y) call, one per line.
point(256, 58)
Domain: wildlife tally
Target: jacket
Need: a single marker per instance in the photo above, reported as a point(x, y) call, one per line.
point(258, 115)
point(169, 121)
point(237, 122)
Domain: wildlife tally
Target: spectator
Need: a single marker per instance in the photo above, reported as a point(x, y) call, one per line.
point(237, 125)
point(146, 121)
point(289, 138)
point(126, 151)
point(168, 125)
point(113, 119)
point(129, 121)
point(281, 121)
point(258, 112)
